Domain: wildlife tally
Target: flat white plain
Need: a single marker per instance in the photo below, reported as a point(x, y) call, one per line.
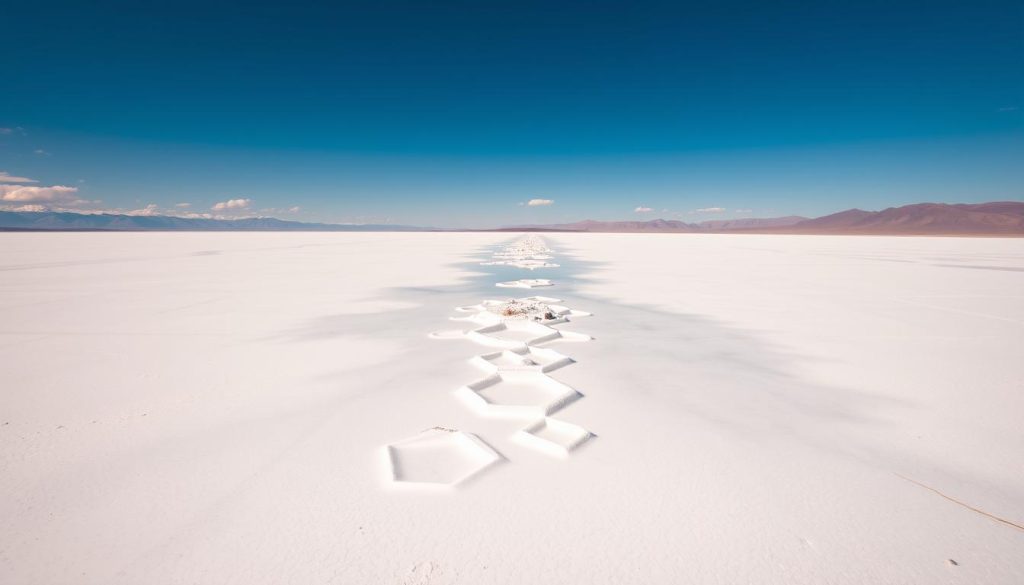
point(214, 408)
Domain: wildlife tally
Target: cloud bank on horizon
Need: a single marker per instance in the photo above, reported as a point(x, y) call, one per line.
point(21, 195)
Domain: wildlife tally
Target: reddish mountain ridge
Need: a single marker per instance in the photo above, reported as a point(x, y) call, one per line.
point(672, 225)
point(748, 223)
point(1000, 218)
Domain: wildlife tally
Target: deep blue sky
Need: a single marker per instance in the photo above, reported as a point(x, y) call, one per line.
point(455, 113)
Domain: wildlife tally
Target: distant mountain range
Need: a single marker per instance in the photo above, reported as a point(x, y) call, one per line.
point(52, 220)
point(1003, 218)
point(670, 225)
point(998, 218)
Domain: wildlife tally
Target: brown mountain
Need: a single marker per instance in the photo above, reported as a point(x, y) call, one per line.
point(999, 218)
point(750, 223)
point(672, 225)
point(654, 225)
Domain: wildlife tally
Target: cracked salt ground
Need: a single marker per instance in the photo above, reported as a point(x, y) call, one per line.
point(726, 421)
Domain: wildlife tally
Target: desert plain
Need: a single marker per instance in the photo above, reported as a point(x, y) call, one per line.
point(347, 408)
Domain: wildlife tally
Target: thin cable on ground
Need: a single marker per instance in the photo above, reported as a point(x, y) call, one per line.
point(956, 501)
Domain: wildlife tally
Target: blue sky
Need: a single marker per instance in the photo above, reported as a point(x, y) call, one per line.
point(456, 114)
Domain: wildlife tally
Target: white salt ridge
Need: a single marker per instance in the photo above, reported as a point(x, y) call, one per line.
point(525, 283)
point(520, 263)
point(541, 309)
point(522, 358)
point(530, 247)
point(521, 256)
point(518, 384)
point(520, 334)
point(528, 253)
point(553, 437)
point(518, 393)
point(440, 456)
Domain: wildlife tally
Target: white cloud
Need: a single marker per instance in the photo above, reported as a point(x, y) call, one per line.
point(280, 210)
point(711, 210)
point(744, 211)
point(538, 202)
point(155, 210)
point(6, 178)
point(643, 209)
point(58, 194)
point(41, 152)
point(232, 204)
point(33, 198)
point(149, 210)
point(62, 199)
